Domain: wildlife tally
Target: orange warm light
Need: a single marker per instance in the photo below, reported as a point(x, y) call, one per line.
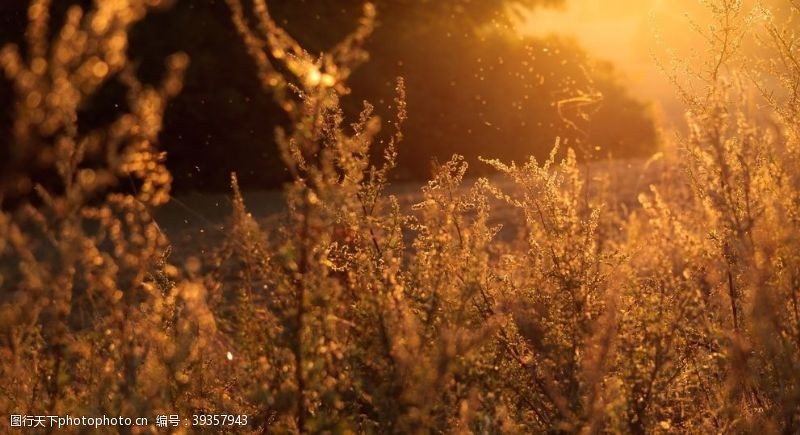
point(639, 37)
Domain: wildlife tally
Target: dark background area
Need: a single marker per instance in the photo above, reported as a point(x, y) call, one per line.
point(473, 87)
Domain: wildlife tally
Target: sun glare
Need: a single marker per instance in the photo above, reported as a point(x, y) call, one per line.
point(633, 35)
point(449, 220)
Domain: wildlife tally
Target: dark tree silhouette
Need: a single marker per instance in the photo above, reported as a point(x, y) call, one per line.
point(473, 86)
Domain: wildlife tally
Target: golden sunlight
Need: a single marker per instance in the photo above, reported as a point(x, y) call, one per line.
point(638, 37)
point(418, 216)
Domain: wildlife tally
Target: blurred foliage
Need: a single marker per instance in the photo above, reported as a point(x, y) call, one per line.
point(88, 310)
point(474, 87)
point(351, 310)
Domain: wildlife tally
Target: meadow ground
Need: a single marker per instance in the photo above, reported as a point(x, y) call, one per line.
point(199, 222)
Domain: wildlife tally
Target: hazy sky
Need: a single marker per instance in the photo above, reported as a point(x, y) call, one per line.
point(624, 32)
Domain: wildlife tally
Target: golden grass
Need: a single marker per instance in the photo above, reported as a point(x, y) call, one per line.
point(351, 314)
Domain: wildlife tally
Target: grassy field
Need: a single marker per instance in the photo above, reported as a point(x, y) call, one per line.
point(555, 296)
point(201, 221)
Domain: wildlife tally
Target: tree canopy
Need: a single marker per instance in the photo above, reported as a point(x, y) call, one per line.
point(473, 86)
